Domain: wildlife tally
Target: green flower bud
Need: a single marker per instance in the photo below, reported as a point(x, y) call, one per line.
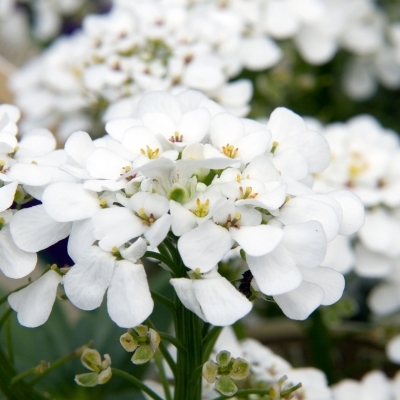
point(143, 341)
point(226, 386)
point(240, 369)
point(101, 369)
point(142, 355)
point(104, 376)
point(224, 370)
point(210, 371)
point(91, 360)
point(223, 358)
point(128, 342)
point(88, 380)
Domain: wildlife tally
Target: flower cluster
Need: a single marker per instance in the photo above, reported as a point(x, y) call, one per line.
point(374, 384)
point(365, 159)
point(139, 46)
point(270, 371)
point(186, 171)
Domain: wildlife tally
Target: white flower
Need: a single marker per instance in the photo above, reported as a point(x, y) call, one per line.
point(129, 301)
point(34, 303)
point(212, 298)
point(374, 384)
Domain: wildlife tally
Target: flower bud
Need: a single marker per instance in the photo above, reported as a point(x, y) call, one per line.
point(143, 341)
point(101, 369)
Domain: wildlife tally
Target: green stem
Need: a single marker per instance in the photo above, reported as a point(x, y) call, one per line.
point(168, 358)
point(136, 382)
point(4, 298)
point(56, 364)
point(164, 301)
point(209, 341)
point(164, 380)
point(320, 342)
point(9, 341)
point(171, 340)
point(22, 375)
point(163, 348)
point(161, 258)
point(188, 332)
point(3, 319)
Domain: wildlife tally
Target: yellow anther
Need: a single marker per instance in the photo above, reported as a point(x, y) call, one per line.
point(247, 193)
point(34, 162)
point(150, 153)
point(274, 146)
point(2, 164)
point(127, 168)
point(114, 249)
point(2, 222)
point(230, 151)
point(202, 208)
point(238, 216)
point(103, 203)
point(238, 178)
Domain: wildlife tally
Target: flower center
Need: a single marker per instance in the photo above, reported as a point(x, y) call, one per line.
point(202, 208)
point(233, 222)
point(230, 151)
point(176, 138)
point(247, 193)
point(150, 153)
point(146, 219)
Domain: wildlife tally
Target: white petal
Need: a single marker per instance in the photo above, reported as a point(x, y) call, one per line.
point(260, 53)
point(66, 201)
point(81, 238)
point(393, 349)
point(225, 129)
point(14, 262)
point(115, 226)
point(380, 231)
point(34, 230)
point(7, 194)
point(159, 102)
point(159, 230)
point(194, 125)
point(105, 164)
point(87, 281)
point(29, 174)
point(257, 240)
point(183, 220)
point(331, 281)
point(302, 209)
point(34, 303)
point(384, 299)
point(302, 301)
point(37, 142)
point(129, 300)
point(220, 302)
point(117, 127)
point(134, 251)
point(276, 272)
point(371, 264)
point(340, 245)
point(78, 146)
point(184, 288)
point(252, 145)
point(204, 246)
point(353, 211)
point(203, 76)
point(306, 243)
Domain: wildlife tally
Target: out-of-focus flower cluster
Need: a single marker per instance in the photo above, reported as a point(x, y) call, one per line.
point(184, 167)
point(140, 46)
